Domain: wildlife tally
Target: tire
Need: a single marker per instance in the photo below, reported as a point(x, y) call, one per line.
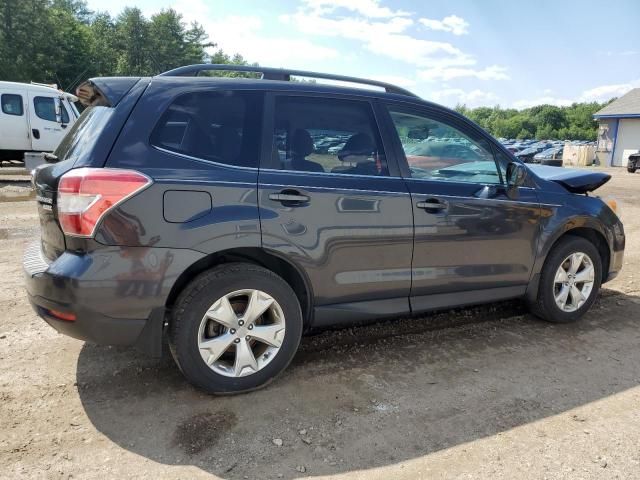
point(631, 169)
point(546, 306)
point(190, 333)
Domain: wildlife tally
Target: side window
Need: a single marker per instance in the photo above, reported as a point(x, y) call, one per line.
point(220, 126)
point(326, 135)
point(438, 151)
point(503, 162)
point(45, 109)
point(11, 104)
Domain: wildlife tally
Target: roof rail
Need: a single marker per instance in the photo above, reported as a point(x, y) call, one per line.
point(279, 74)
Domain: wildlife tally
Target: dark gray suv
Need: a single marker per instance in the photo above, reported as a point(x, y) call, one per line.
point(231, 215)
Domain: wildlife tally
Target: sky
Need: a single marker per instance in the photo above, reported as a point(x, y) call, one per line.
point(479, 53)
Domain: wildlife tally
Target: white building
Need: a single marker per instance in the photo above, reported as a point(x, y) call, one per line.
point(619, 132)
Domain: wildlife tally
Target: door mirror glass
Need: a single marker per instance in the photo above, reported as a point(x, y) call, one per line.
point(516, 174)
point(58, 110)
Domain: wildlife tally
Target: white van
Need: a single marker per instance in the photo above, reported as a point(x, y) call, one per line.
point(33, 117)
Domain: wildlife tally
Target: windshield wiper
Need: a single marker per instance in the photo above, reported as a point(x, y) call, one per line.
point(50, 157)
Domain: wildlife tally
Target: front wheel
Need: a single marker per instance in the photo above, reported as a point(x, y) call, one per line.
point(631, 169)
point(235, 328)
point(569, 282)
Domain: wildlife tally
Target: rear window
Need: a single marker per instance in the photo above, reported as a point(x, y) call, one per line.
point(217, 126)
point(84, 133)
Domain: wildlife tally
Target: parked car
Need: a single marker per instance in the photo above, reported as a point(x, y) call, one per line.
point(33, 117)
point(551, 156)
point(527, 154)
point(197, 209)
point(633, 163)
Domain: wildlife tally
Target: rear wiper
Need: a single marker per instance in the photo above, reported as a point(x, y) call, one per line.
point(50, 157)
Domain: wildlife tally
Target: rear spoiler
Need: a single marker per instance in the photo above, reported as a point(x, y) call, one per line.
point(104, 91)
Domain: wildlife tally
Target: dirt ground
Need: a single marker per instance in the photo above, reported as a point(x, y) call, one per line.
point(485, 392)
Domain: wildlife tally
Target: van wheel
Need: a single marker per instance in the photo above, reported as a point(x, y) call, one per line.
point(569, 282)
point(235, 328)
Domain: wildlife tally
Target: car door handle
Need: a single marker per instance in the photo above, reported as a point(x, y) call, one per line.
point(432, 205)
point(36, 133)
point(289, 197)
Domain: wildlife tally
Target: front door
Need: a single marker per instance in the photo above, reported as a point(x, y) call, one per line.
point(474, 240)
point(330, 202)
point(46, 131)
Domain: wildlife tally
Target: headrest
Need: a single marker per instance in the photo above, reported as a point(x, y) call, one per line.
point(301, 143)
point(358, 144)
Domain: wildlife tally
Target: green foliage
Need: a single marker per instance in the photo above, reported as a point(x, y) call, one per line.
point(548, 122)
point(63, 42)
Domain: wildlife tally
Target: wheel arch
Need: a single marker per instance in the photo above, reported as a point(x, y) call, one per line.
point(585, 228)
point(291, 273)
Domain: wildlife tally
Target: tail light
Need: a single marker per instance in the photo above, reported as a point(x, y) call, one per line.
point(85, 195)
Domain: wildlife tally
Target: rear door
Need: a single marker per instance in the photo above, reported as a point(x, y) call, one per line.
point(13, 121)
point(472, 235)
point(330, 202)
point(46, 132)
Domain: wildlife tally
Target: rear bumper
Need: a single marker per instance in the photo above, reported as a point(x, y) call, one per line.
point(89, 326)
point(117, 294)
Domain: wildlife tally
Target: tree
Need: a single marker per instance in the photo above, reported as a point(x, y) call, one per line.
point(172, 45)
point(132, 34)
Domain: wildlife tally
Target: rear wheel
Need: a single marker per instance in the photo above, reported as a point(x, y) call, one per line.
point(569, 282)
point(235, 328)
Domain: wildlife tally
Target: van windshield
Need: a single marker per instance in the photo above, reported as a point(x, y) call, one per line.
point(84, 133)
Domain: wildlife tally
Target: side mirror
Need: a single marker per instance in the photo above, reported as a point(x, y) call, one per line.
point(58, 107)
point(516, 175)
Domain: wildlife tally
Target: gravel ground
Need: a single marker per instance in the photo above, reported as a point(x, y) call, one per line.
point(484, 392)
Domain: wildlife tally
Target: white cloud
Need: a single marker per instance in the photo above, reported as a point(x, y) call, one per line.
point(622, 53)
point(383, 32)
point(473, 98)
point(603, 93)
point(493, 72)
point(243, 34)
point(546, 100)
point(395, 80)
point(367, 8)
point(452, 23)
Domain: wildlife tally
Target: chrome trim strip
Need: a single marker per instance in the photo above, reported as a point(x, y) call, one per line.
point(329, 174)
point(203, 160)
point(313, 187)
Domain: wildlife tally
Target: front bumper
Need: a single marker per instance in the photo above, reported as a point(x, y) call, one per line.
point(617, 251)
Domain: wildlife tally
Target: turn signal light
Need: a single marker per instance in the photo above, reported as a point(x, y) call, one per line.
point(85, 195)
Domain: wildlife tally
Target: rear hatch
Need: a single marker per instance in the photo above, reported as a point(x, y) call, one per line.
point(87, 143)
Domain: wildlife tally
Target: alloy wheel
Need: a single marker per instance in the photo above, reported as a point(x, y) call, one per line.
point(573, 282)
point(241, 333)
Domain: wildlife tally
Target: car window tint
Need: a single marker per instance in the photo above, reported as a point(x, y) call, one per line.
point(11, 104)
point(45, 108)
point(219, 126)
point(327, 135)
point(438, 151)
